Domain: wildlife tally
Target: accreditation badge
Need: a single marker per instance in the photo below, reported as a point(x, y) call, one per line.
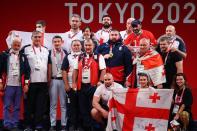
point(59, 72)
point(38, 65)
point(176, 108)
point(86, 76)
point(15, 70)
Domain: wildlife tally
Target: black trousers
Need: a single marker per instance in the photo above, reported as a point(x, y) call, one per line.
point(73, 108)
point(85, 105)
point(37, 104)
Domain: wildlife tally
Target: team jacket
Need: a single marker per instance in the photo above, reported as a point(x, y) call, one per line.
point(120, 64)
point(24, 65)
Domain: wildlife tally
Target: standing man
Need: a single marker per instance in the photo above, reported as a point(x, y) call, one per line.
point(138, 33)
point(125, 33)
point(37, 56)
point(150, 62)
point(117, 57)
point(176, 42)
point(88, 73)
point(14, 65)
point(173, 61)
point(67, 70)
point(57, 89)
point(74, 33)
point(102, 35)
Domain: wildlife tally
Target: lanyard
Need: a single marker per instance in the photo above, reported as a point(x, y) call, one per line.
point(35, 50)
point(166, 57)
point(54, 54)
point(55, 58)
point(105, 30)
point(178, 99)
point(72, 36)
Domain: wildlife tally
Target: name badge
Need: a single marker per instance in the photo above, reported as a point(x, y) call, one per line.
point(59, 72)
point(176, 109)
point(86, 75)
point(38, 65)
point(15, 72)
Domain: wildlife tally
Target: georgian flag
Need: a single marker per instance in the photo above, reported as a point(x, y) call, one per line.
point(26, 38)
point(139, 109)
point(152, 64)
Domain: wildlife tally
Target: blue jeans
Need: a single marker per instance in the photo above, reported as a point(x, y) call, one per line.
point(12, 98)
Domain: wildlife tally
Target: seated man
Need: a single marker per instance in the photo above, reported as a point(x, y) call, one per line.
point(101, 97)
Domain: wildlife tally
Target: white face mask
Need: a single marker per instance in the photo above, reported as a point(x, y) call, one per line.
point(39, 29)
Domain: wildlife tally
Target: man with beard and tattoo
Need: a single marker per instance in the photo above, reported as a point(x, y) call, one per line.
point(173, 61)
point(103, 34)
point(138, 33)
point(117, 57)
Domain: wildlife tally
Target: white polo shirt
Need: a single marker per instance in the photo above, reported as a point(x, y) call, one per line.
point(105, 92)
point(38, 61)
point(68, 37)
point(72, 57)
point(86, 72)
point(102, 35)
point(124, 34)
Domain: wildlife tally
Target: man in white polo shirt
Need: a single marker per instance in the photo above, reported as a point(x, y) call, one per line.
point(74, 33)
point(102, 35)
point(101, 97)
point(67, 70)
point(37, 56)
point(88, 73)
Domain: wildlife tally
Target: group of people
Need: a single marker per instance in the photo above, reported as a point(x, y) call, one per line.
point(79, 68)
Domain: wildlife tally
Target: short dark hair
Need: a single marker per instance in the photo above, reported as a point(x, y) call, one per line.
point(106, 15)
point(57, 36)
point(164, 38)
point(114, 30)
point(42, 22)
point(87, 27)
point(76, 15)
point(76, 40)
point(35, 32)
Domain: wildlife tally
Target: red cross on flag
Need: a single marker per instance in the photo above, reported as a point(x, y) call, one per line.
point(139, 109)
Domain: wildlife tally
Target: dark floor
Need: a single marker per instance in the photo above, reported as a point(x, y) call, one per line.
point(194, 128)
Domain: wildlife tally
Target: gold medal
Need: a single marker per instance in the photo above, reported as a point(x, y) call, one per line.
point(110, 54)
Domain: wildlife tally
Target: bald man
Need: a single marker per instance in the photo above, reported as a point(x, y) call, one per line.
point(176, 42)
point(128, 30)
point(101, 98)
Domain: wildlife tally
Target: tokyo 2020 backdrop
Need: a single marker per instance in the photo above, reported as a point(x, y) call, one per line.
point(155, 16)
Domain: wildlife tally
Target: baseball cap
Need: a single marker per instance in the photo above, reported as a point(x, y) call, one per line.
point(135, 23)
